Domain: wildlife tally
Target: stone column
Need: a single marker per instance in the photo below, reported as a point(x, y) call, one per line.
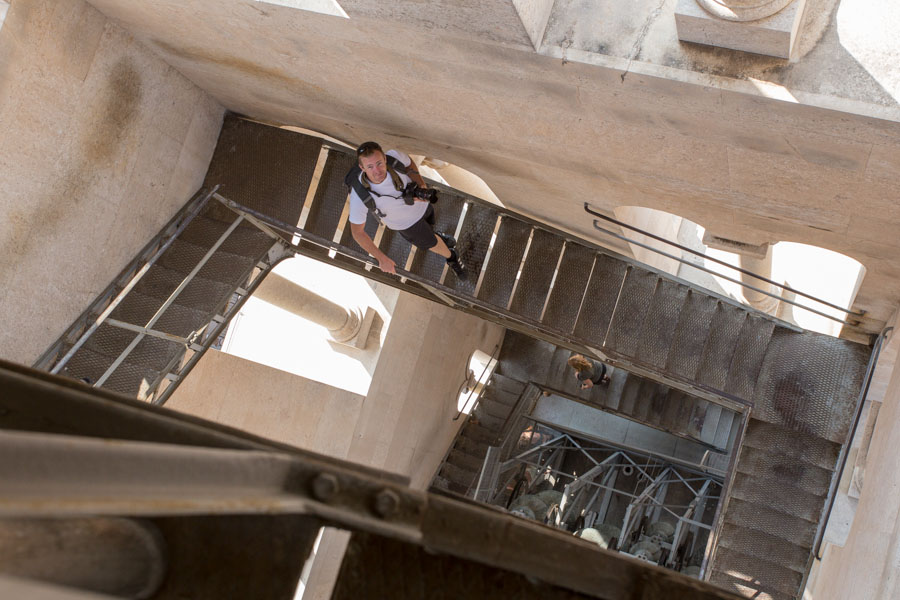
point(342, 323)
point(761, 264)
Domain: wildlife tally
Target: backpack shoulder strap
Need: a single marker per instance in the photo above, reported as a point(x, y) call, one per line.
point(396, 164)
point(352, 180)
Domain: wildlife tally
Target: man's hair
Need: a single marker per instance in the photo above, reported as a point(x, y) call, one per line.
point(367, 149)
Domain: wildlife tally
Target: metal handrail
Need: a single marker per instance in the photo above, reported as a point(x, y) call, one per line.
point(845, 449)
point(721, 262)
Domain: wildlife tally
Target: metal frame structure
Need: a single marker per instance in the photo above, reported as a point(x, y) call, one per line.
point(584, 491)
point(69, 450)
point(199, 341)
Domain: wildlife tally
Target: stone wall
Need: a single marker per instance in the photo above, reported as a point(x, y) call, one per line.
point(102, 143)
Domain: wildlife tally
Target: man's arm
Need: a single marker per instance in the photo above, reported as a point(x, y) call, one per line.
point(412, 171)
point(358, 231)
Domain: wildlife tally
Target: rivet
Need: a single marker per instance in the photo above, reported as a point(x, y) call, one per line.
point(325, 487)
point(386, 503)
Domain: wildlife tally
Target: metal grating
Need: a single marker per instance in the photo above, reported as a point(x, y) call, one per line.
point(723, 337)
point(568, 289)
point(263, 168)
point(810, 383)
point(395, 246)
point(537, 273)
point(690, 334)
point(447, 213)
point(792, 444)
point(246, 240)
point(199, 294)
point(506, 256)
point(764, 546)
point(600, 298)
point(748, 356)
point(637, 291)
point(733, 568)
point(472, 244)
point(793, 529)
point(656, 335)
point(785, 470)
point(331, 196)
point(111, 341)
point(779, 497)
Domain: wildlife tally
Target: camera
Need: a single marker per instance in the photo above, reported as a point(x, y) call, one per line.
point(413, 191)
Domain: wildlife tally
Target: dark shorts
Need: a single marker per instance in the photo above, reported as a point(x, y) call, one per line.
point(421, 233)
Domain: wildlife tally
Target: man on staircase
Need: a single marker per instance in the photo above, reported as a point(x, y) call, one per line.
point(389, 185)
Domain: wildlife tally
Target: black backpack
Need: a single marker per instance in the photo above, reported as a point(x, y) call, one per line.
point(352, 180)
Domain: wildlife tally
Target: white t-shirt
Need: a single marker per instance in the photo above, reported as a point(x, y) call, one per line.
point(398, 214)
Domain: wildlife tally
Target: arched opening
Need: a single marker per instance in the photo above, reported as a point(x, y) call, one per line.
point(455, 177)
point(818, 272)
point(479, 370)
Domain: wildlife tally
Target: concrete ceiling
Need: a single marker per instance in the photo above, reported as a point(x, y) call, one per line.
point(461, 82)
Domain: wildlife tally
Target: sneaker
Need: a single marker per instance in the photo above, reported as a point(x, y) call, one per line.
point(449, 240)
point(456, 264)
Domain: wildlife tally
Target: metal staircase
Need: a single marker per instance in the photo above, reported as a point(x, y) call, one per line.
point(802, 387)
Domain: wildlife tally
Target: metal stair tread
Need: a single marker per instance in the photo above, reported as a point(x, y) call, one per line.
point(689, 340)
point(111, 341)
point(126, 379)
point(479, 433)
point(658, 330)
point(470, 446)
point(505, 384)
point(458, 475)
point(752, 588)
point(568, 289)
point(503, 266)
point(245, 240)
point(200, 293)
point(721, 343)
point(183, 256)
point(793, 529)
point(749, 355)
point(779, 497)
point(774, 466)
point(488, 421)
point(794, 444)
point(138, 309)
point(487, 404)
point(632, 310)
point(537, 273)
point(464, 460)
point(764, 546)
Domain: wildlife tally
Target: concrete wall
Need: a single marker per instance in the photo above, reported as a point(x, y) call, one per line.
point(751, 160)
point(867, 567)
point(102, 142)
point(270, 403)
point(656, 222)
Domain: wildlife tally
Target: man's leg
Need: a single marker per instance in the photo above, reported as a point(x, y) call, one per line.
point(422, 235)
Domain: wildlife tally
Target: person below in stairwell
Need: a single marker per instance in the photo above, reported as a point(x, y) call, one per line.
point(382, 185)
point(588, 371)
